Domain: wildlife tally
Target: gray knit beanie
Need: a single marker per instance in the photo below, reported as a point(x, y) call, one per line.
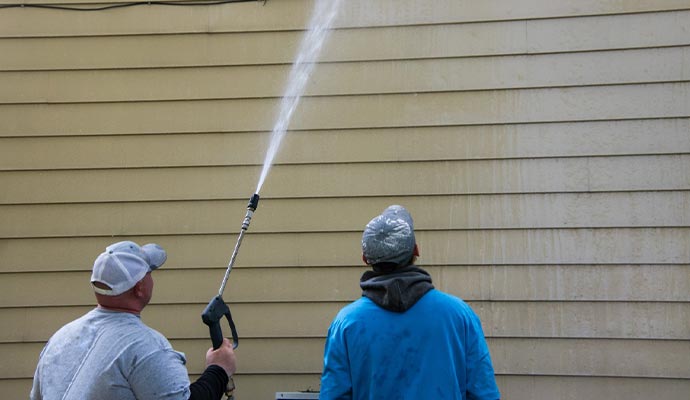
point(389, 237)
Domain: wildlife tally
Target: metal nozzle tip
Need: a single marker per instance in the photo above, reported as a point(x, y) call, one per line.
point(253, 202)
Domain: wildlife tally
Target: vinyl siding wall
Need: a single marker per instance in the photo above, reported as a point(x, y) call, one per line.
point(543, 148)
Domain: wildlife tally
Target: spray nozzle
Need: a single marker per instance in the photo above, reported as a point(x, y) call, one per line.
point(251, 207)
point(253, 202)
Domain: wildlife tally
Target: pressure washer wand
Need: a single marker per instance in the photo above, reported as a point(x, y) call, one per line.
point(251, 207)
point(216, 308)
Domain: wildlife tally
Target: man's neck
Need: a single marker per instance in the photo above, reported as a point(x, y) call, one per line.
point(120, 309)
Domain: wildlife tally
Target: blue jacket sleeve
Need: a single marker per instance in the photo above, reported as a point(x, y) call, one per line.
point(336, 382)
point(481, 381)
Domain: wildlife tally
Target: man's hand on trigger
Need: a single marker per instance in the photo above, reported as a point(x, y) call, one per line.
point(224, 357)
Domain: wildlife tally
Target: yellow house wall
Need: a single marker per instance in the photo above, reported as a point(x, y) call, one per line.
point(543, 148)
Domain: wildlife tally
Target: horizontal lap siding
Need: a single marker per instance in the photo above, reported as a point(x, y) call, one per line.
point(548, 175)
point(471, 212)
point(293, 14)
point(364, 44)
point(513, 141)
point(666, 100)
point(542, 147)
point(395, 76)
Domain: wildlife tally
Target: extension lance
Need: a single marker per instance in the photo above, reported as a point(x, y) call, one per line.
point(216, 308)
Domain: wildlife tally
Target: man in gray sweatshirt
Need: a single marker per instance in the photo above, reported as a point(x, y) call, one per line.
point(110, 354)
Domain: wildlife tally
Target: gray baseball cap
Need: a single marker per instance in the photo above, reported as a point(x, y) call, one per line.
point(389, 237)
point(123, 264)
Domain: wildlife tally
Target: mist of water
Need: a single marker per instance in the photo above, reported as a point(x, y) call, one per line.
point(319, 29)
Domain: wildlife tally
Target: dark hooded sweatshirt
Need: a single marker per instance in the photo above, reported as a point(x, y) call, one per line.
point(397, 290)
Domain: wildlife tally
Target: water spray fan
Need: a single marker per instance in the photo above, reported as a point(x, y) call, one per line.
point(216, 308)
point(319, 27)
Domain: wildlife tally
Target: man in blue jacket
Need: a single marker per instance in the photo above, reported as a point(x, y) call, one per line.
point(403, 339)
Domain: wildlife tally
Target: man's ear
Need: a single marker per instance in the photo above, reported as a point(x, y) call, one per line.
point(364, 259)
point(415, 252)
point(138, 288)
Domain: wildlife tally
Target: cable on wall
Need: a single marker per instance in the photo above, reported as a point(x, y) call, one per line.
point(122, 5)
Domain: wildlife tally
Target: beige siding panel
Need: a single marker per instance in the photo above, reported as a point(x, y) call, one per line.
point(198, 251)
point(239, 17)
point(162, 150)
point(19, 359)
point(568, 282)
point(38, 324)
point(151, 84)
point(546, 246)
point(621, 320)
point(663, 359)
point(560, 210)
point(491, 176)
point(15, 389)
point(590, 387)
point(294, 14)
point(150, 51)
point(607, 32)
point(567, 69)
point(405, 42)
point(264, 386)
point(187, 184)
point(397, 110)
point(630, 320)
point(502, 283)
point(590, 174)
point(635, 358)
point(567, 246)
point(655, 136)
point(480, 73)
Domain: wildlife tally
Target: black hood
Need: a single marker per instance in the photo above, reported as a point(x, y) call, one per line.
point(397, 290)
